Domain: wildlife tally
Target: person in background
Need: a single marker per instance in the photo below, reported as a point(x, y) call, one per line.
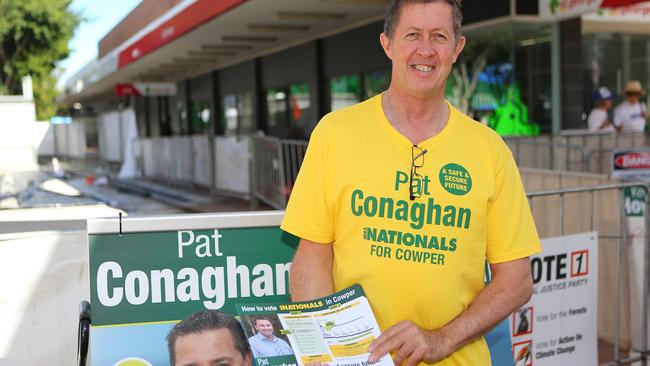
point(631, 115)
point(598, 119)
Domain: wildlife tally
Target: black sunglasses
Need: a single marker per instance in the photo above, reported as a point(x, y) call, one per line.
point(417, 161)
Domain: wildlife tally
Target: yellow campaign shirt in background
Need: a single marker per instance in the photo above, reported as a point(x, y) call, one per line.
point(421, 259)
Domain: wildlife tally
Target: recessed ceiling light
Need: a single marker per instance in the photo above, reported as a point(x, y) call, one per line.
point(278, 28)
point(310, 16)
point(194, 60)
point(227, 47)
point(357, 2)
point(211, 53)
point(257, 39)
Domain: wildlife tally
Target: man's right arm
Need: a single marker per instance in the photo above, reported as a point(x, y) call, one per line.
point(311, 271)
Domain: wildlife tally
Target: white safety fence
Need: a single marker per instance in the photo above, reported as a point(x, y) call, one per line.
point(187, 160)
point(115, 130)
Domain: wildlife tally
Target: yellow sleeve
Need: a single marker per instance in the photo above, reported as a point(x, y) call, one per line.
point(511, 232)
point(309, 215)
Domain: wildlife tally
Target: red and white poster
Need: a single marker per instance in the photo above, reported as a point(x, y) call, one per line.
point(558, 326)
point(145, 89)
point(565, 9)
point(631, 164)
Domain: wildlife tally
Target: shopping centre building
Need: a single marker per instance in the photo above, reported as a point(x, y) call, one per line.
point(223, 95)
point(184, 70)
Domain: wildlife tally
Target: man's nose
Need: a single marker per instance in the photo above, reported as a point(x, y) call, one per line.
point(426, 47)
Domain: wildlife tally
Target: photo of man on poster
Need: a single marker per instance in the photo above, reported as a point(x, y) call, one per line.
point(265, 343)
point(208, 337)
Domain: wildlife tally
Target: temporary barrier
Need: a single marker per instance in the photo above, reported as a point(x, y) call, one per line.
point(276, 164)
point(602, 209)
point(232, 165)
point(577, 150)
point(267, 172)
point(532, 153)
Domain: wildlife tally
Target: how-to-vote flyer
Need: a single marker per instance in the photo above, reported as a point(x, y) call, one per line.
point(336, 330)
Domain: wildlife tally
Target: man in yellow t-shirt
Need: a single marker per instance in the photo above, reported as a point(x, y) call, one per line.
point(407, 196)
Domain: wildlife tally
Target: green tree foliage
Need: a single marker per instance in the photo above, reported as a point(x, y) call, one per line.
point(34, 35)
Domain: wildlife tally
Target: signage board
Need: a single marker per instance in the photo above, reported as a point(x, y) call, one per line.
point(149, 273)
point(145, 89)
point(631, 164)
point(558, 326)
point(635, 207)
point(639, 13)
point(61, 120)
point(566, 9)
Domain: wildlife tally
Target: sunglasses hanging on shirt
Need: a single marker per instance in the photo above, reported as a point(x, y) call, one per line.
point(417, 161)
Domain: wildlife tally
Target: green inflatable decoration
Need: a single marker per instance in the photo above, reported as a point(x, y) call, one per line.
point(554, 5)
point(511, 118)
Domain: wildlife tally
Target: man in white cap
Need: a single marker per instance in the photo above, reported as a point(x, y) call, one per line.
point(631, 115)
point(598, 119)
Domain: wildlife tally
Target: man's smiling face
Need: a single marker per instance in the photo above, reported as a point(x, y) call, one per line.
point(264, 327)
point(423, 48)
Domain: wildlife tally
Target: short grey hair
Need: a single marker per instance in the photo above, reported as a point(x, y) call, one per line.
point(206, 320)
point(395, 6)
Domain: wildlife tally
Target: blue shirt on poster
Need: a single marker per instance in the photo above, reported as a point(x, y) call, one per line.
point(264, 347)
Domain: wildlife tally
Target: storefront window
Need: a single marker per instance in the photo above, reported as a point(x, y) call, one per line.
point(200, 116)
point(276, 106)
point(238, 114)
point(178, 124)
point(376, 82)
point(345, 91)
point(300, 103)
point(533, 75)
point(289, 106)
point(632, 62)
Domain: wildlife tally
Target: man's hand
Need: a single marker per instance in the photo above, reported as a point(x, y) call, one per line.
point(411, 344)
point(511, 287)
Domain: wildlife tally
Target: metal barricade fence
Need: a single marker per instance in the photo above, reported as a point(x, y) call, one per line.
point(604, 140)
point(539, 154)
point(275, 165)
point(597, 202)
point(266, 180)
point(293, 152)
point(572, 150)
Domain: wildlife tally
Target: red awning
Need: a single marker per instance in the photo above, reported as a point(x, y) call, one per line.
point(617, 3)
point(188, 19)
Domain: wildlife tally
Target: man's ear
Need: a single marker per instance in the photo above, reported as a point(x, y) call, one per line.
point(385, 44)
point(460, 45)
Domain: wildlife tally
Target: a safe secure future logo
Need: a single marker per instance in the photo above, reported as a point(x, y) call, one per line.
point(455, 179)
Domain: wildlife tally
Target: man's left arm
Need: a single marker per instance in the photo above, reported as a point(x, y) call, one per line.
point(511, 287)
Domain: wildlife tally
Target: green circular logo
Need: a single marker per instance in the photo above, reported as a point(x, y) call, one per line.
point(455, 179)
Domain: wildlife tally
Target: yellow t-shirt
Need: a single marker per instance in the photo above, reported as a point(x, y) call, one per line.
point(421, 259)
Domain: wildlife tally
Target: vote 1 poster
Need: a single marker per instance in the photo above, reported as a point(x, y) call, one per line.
point(558, 326)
